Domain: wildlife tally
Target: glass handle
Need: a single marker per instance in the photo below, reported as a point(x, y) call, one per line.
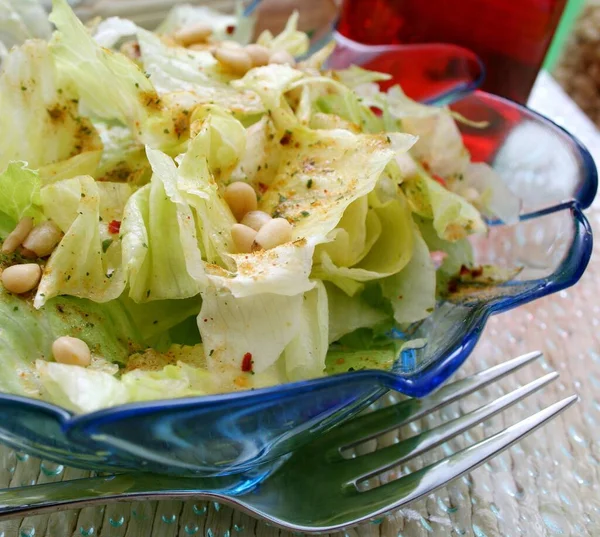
point(435, 73)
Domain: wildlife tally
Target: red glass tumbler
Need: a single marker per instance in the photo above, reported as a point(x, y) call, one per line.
point(510, 36)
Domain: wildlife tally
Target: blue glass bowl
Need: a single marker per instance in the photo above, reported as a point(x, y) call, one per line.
point(247, 434)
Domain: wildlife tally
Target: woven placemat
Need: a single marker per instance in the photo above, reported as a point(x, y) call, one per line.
point(548, 484)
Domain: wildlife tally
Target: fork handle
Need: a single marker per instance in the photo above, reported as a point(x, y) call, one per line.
point(79, 493)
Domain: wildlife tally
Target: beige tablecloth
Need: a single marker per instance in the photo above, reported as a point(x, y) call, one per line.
point(549, 484)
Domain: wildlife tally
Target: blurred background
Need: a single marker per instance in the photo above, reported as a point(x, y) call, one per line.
point(516, 39)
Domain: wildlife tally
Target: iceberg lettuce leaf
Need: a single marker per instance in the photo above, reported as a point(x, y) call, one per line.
point(212, 154)
point(177, 69)
point(453, 217)
point(112, 87)
point(161, 255)
point(260, 326)
point(389, 254)
point(347, 314)
point(487, 192)
point(20, 193)
point(81, 265)
point(305, 354)
point(79, 389)
point(123, 157)
point(204, 169)
point(40, 122)
point(412, 291)
point(60, 201)
point(27, 334)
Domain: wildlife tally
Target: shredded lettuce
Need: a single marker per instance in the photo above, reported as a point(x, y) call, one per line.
point(131, 157)
point(290, 39)
point(222, 24)
point(354, 77)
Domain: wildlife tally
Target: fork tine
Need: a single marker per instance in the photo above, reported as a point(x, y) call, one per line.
point(373, 463)
point(413, 486)
point(373, 424)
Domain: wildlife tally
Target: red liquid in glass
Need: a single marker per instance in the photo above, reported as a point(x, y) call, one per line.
point(510, 36)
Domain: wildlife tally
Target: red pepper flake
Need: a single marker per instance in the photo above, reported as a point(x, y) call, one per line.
point(476, 272)
point(452, 286)
point(230, 29)
point(263, 188)
point(247, 362)
point(377, 111)
point(114, 227)
point(286, 138)
point(439, 179)
point(340, 361)
point(464, 270)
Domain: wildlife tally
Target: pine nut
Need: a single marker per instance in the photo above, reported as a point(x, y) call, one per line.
point(236, 60)
point(241, 199)
point(243, 237)
point(470, 194)
point(256, 219)
point(258, 54)
point(72, 351)
point(193, 34)
point(228, 43)
point(282, 57)
point(43, 238)
point(17, 236)
point(168, 40)
point(20, 279)
point(277, 231)
point(200, 47)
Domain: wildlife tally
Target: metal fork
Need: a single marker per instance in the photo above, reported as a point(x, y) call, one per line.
point(318, 489)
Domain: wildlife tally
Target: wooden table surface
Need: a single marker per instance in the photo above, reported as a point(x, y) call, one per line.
point(549, 484)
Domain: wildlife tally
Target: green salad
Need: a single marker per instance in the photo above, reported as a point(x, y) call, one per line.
point(185, 213)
